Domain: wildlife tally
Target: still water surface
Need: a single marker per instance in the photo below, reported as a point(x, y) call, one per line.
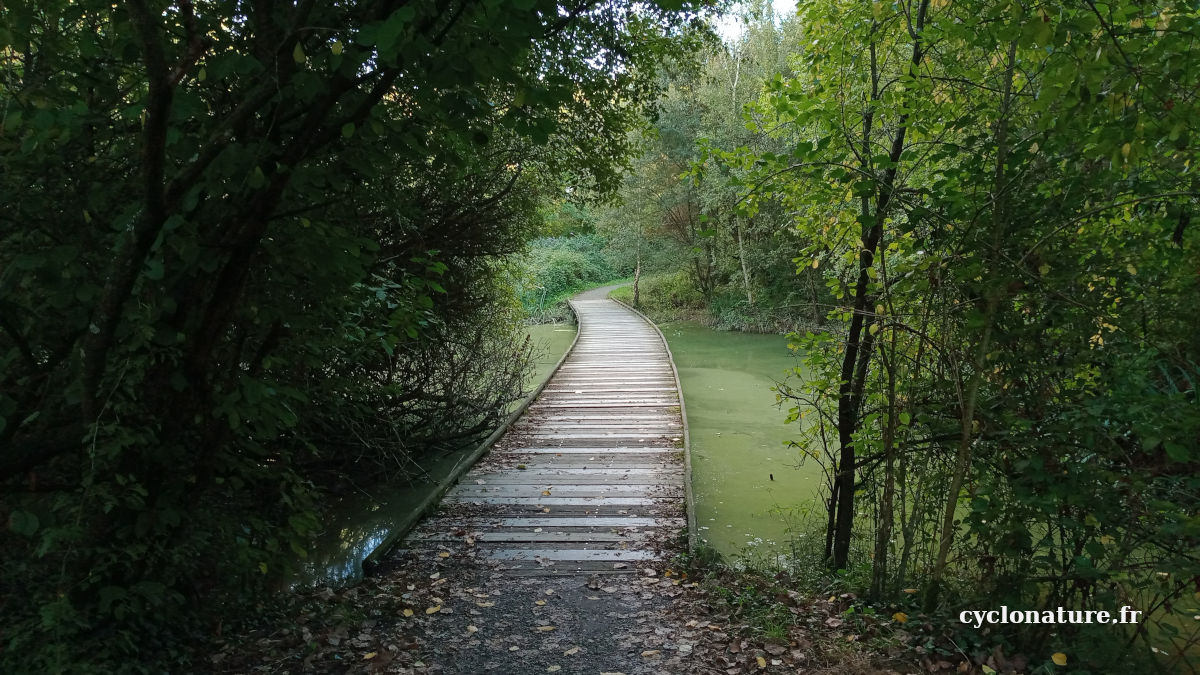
point(739, 440)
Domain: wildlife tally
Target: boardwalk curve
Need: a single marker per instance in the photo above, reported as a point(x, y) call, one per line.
point(591, 478)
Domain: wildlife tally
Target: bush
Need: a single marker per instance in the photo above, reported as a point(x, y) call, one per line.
point(555, 268)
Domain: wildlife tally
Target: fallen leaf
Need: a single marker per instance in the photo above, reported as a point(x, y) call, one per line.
point(539, 603)
point(762, 663)
point(370, 655)
point(545, 629)
point(444, 554)
point(651, 652)
point(408, 612)
point(553, 669)
point(433, 610)
point(571, 652)
point(472, 629)
point(900, 617)
point(545, 493)
point(1059, 658)
point(485, 604)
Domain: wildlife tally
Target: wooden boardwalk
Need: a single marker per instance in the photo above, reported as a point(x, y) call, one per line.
point(591, 478)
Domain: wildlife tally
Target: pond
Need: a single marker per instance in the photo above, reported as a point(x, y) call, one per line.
point(358, 523)
point(751, 490)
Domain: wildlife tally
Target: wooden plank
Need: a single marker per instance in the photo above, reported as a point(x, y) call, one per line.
point(558, 522)
point(601, 439)
point(571, 554)
point(553, 501)
point(601, 490)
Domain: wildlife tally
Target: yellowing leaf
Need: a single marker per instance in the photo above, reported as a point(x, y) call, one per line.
point(988, 670)
point(873, 329)
point(336, 47)
point(1131, 269)
point(433, 610)
point(298, 54)
point(1059, 658)
point(762, 663)
point(910, 590)
point(1125, 150)
point(901, 617)
point(816, 263)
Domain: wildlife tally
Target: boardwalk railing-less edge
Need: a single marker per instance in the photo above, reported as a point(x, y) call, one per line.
point(592, 477)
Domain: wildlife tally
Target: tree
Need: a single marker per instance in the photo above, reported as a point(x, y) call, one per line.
point(999, 195)
point(239, 230)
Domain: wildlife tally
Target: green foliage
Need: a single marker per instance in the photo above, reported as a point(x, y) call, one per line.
point(666, 297)
point(739, 259)
point(998, 196)
point(555, 268)
point(251, 248)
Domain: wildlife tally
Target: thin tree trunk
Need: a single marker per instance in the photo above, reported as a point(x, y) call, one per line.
point(742, 258)
point(859, 341)
point(962, 460)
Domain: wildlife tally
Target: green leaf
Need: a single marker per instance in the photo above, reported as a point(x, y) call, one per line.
point(23, 523)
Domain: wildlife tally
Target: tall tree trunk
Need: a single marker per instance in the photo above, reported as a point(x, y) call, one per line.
point(883, 534)
point(859, 341)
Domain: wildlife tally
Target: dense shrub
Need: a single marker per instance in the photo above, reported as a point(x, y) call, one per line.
point(554, 268)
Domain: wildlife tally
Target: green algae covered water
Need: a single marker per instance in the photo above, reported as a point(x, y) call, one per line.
point(361, 521)
point(751, 491)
